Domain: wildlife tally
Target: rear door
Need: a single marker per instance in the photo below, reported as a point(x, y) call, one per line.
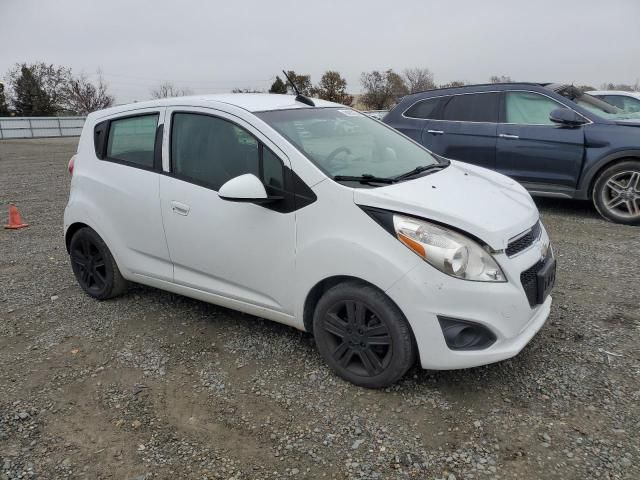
point(416, 118)
point(465, 128)
point(125, 190)
point(534, 150)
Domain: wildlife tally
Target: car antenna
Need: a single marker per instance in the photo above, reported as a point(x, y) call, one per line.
point(299, 97)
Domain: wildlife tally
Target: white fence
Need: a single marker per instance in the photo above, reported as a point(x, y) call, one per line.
point(34, 127)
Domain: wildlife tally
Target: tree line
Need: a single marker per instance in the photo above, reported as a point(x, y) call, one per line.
point(41, 89)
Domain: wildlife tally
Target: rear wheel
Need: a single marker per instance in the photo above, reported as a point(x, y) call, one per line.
point(362, 335)
point(93, 265)
point(616, 193)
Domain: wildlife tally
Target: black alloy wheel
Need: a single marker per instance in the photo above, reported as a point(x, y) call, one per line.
point(94, 266)
point(359, 339)
point(362, 335)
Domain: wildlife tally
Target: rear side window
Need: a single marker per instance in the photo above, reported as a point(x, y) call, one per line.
point(472, 107)
point(210, 150)
point(132, 140)
point(615, 100)
point(528, 108)
point(426, 109)
point(628, 104)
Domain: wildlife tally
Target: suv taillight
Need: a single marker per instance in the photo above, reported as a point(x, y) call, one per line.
point(71, 162)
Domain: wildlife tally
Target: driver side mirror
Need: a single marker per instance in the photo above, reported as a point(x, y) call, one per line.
point(245, 188)
point(566, 117)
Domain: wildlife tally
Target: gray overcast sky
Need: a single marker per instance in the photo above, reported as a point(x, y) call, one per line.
point(213, 46)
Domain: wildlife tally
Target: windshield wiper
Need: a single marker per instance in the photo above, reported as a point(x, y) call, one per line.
point(420, 169)
point(364, 178)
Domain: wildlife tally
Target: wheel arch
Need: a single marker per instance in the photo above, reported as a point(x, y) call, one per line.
point(71, 230)
point(316, 292)
point(589, 180)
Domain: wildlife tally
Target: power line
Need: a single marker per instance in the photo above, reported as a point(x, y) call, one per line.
point(203, 82)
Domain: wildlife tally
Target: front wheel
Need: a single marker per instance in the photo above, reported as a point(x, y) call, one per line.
point(362, 335)
point(616, 193)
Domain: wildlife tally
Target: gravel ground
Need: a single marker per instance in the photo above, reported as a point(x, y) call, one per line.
point(154, 385)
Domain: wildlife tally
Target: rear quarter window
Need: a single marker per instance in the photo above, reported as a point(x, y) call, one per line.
point(425, 109)
point(132, 140)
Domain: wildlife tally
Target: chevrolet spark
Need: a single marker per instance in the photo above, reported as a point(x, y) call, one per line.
point(311, 214)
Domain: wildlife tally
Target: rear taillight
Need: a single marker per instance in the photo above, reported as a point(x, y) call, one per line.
point(71, 162)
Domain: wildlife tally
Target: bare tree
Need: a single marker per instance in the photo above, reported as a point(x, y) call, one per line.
point(246, 90)
point(621, 86)
point(333, 87)
point(302, 82)
point(382, 89)
point(419, 79)
point(168, 89)
point(500, 79)
point(84, 97)
point(455, 83)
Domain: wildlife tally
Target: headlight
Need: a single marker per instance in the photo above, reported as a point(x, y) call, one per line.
point(448, 251)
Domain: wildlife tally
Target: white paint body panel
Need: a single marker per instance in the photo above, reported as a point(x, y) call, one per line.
point(621, 93)
point(249, 258)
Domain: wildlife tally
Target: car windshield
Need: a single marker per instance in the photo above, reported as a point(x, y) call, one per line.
point(597, 106)
point(343, 142)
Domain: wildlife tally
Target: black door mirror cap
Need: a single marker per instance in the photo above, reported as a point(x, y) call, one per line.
point(566, 117)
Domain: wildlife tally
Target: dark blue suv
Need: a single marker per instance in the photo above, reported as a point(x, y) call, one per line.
point(552, 138)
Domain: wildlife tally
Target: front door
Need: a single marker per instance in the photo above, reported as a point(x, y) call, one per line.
point(241, 251)
point(534, 150)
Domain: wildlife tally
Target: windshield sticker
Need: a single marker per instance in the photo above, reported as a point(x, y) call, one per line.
point(349, 113)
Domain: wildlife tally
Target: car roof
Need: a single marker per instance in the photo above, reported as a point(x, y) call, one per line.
point(252, 102)
point(614, 92)
point(476, 87)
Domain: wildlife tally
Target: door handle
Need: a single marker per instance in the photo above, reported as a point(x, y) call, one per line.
point(435, 132)
point(507, 136)
point(180, 208)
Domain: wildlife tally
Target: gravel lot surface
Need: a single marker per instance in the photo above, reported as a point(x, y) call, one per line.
point(154, 385)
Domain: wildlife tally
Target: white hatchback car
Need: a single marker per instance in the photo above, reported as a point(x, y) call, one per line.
point(314, 215)
point(626, 101)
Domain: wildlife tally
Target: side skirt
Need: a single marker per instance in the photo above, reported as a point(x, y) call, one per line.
point(226, 302)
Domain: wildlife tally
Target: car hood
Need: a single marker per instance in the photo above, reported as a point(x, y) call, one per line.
point(486, 204)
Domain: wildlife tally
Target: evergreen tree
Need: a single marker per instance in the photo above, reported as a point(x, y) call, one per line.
point(29, 97)
point(4, 109)
point(278, 86)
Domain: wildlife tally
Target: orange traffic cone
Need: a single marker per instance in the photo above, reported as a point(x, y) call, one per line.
point(15, 220)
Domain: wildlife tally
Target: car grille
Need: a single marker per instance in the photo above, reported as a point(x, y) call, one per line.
point(529, 280)
point(524, 240)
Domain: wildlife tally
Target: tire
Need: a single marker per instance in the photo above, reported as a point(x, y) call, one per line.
point(94, 267)
point(354, 324)
point(616, 193)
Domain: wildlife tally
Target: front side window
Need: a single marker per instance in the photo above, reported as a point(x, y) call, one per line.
point(210, 151)
point(132, 140)
point(528, 108)
point(341, 141)
point(473, 107)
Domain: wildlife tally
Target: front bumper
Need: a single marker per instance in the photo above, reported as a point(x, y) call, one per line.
point(503, 308)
